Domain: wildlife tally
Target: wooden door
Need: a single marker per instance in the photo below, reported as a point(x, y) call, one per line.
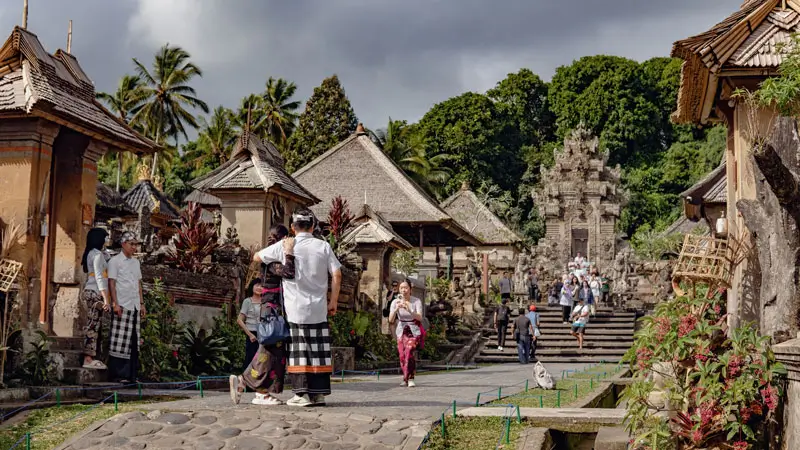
point(580, 242)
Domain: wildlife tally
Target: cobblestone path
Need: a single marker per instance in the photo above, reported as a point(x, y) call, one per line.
point(371, 415)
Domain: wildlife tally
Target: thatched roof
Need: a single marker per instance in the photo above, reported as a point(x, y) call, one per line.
point(748, 42)
point(686, 226)
point(468, 210)
point(254, 164)
point(56, 88)
point(144, 193)
point(371, 228)
point(361, 173)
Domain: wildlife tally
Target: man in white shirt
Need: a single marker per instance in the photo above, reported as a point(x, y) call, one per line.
point(127, 302)
point(307, 307)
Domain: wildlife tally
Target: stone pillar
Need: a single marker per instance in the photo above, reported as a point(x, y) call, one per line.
point(788, 354)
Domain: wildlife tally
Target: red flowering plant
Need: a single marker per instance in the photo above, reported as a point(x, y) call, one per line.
point(698, 384)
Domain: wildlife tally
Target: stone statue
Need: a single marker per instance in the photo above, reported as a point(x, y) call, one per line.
point(231, 237)
point(521, 272)
point(218, 222)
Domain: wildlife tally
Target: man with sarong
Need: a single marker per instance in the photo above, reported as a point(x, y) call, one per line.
point(125, 286)
point(307, 307)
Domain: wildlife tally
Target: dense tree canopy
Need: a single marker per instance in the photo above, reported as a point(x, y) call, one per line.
point(327, 120)
point(498, 141)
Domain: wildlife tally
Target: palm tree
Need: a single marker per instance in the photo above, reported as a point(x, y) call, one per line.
point(127, 98)
point(216, 139)
point(409, 151)
point(167, 94)
point(278, 116)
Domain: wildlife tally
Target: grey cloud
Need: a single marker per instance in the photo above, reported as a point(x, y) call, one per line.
point(394, 58)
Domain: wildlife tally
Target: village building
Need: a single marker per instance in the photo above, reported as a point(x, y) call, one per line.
point(111, 206)
point(498, 241)
point(706, 200)
point(52, 133)
point(152, 206)
point(361, 173)
point(761, 162)
point(580, 200)
point(375, 241)
point(253, 189)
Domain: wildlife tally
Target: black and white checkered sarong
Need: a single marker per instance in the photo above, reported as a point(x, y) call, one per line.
point(310, 348)
point(122, 333)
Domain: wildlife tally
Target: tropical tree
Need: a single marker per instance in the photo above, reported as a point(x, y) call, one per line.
point(408, 150)
point(248, 114)
point(215, 141)
point(125, 99)
point(327, 120)
point(167, 94)
point(278, 110)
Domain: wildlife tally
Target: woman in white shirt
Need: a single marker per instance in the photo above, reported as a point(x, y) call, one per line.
point(406, 313)
point(595, 285)
point(95, 294)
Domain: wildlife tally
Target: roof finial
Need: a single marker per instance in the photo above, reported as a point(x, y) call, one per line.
point(25, 14)
point(69, 37)
point(783, 5)
point(465, 185)
point(247, 125)
point(360, 129)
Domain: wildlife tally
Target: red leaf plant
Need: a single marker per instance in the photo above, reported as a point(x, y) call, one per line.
point(194, 242)
point(339, 218)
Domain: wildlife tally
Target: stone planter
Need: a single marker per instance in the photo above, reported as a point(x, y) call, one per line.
point(344, 358)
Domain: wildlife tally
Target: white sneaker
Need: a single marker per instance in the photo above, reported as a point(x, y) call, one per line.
point(299, 400)
point(500, 348)
point(411, 383)
point(233, 384)
point(318, 400)
point(403, 383)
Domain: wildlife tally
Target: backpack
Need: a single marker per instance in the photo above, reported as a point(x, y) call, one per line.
point(502, 313)
point(541, 377)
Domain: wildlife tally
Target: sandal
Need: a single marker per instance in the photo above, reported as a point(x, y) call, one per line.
point(95, 364)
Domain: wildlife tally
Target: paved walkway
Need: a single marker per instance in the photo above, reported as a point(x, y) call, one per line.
point(371, 415)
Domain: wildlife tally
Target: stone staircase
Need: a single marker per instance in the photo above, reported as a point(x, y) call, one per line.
point(609, 335)
point(71, 351)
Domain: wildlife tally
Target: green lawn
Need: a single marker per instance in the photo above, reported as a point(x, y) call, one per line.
point(474, 433)
point(47, 431)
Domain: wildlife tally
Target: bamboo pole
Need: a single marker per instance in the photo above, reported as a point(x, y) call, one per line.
point(25, 14)
point(69, 37)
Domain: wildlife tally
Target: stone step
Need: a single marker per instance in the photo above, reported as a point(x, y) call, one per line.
point(72, 358)
point(548, 359)
point(564, 343)
point(565, 330)
point(80, 376)
point(605, 338)
point(66, 343)
point(574, 351)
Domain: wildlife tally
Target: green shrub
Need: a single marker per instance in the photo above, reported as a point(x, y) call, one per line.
point(202, 353)
point(233, 338)
point(722, 388)
point(37, 361)
point(159, 357)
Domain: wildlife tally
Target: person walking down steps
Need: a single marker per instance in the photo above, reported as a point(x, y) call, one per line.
point(523, 333)
point(501, 315)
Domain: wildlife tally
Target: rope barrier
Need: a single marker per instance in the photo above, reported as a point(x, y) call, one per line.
point(3, 418)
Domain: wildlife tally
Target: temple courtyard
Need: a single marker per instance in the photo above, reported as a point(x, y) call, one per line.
point(365, 414)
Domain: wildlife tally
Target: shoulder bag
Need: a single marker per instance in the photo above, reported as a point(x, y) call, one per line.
point(272, 327)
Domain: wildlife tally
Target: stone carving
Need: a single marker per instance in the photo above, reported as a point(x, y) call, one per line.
point(524, 265)
point(471, 284)
point(231, 237)
point(580, 201)
point(218, 222)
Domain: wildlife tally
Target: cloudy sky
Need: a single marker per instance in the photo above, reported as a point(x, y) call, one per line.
point(394, 58)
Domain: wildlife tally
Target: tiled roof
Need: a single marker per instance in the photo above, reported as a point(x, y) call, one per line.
point(203, 198)
point(254, 164)
point(711, 189)
point(361, 173)
point(144, 193)
point(55, 87)
point(110, 199)
point(474, 216)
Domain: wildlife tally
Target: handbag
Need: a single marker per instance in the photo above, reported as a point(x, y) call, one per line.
point(272, 329)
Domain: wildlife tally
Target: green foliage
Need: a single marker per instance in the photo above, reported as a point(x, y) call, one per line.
point(37, 362)
point(435, 336)
point(652, 245)
point(438, 288)
point(721, 388)
point(203, 353)
point(158, 359)
point(406, 261)
point(327, 120)
point(362, 331)
point(232, 337)
point(409, 150)
point(783, 91)
point(481, 143)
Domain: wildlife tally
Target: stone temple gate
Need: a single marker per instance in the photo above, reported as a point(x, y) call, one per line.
point(580, 200)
